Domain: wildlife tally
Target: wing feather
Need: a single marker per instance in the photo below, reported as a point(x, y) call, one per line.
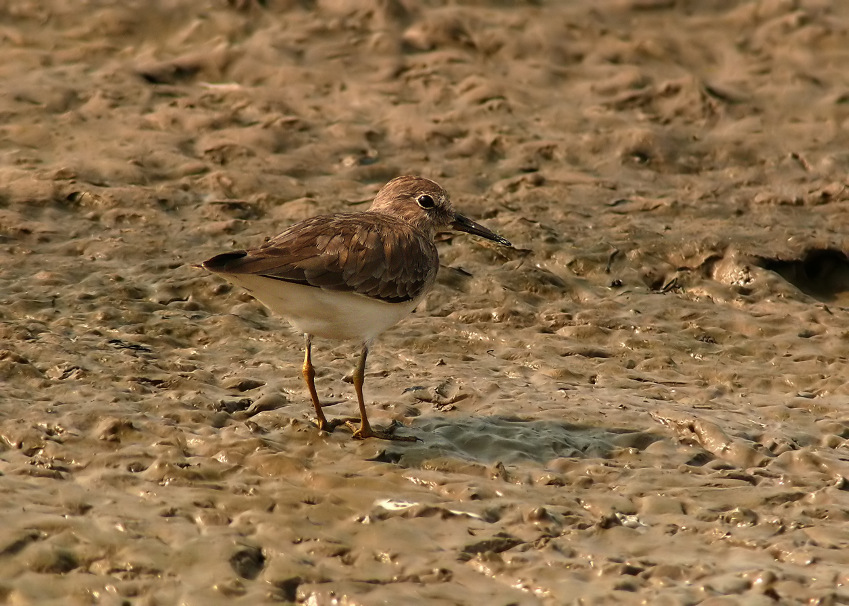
point(373, 254)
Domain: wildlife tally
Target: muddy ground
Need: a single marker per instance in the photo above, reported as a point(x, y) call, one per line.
point(644, 402)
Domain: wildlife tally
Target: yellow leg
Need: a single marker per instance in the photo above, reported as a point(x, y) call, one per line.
point(365, 430)
point(309, 377)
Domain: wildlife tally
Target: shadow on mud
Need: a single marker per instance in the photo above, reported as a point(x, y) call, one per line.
point(509, 440)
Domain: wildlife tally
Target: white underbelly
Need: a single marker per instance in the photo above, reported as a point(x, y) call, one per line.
point(324, 313)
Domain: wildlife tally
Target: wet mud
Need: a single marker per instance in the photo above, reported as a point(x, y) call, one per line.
point(643, 402)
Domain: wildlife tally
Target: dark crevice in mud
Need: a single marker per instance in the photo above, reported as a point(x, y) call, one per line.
point(822, 273)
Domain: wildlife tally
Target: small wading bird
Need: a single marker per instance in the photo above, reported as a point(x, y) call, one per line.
point(351, 275)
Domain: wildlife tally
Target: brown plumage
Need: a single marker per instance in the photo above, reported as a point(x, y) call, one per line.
point(379, 256)
point(351, 275)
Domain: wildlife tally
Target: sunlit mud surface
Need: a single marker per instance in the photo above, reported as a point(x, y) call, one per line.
point(644, 402)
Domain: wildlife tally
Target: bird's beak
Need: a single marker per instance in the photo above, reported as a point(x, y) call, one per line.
point(465, 224)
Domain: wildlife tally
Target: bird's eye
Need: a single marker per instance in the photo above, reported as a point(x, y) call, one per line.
point(425, 201)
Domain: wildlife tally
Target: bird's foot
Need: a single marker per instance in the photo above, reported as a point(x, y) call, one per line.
point(366, 431)
point(329, 426)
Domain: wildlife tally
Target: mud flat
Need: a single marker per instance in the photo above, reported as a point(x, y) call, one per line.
point(644, 402)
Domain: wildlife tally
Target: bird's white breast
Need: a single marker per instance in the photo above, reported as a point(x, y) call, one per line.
point(324, 313)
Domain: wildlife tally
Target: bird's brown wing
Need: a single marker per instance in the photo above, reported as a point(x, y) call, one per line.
point(372, 254)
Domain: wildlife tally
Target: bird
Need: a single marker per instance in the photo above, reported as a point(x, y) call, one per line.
point(351, 276)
